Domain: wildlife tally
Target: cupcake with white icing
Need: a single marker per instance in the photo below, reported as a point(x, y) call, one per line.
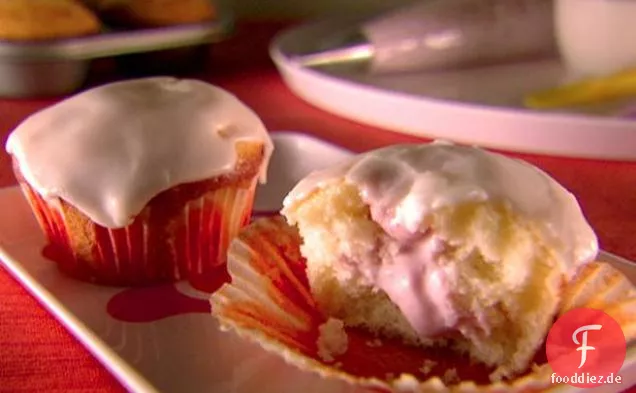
point(436, 242)
point(142, 181)
point(418, 267)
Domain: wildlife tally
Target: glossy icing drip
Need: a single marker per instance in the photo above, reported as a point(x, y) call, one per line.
point(108, 151)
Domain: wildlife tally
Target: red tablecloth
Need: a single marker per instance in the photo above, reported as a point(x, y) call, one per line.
point(38, 355)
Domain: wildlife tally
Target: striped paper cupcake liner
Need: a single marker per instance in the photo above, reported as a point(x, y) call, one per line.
point(269, 301)
point(192, 247)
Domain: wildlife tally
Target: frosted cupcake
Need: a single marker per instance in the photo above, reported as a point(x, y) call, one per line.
point(419, 267)
point(142, 181)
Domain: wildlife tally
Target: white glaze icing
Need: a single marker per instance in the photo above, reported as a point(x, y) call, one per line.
point(404, 184)
point(109, 150)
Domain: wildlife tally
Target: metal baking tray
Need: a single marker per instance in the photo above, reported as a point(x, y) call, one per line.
point(55, 67)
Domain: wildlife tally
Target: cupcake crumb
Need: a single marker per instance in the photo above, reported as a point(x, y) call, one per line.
point(389, 376)
point(333, 340)
point(428, 366)
point(407, 383)
point(337, 364)
point(226, 132)
point(374, 343)
point(450, 376)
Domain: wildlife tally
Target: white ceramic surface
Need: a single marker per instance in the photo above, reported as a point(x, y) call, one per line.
point(185, 352)
point(481, 106)
point(602, 47)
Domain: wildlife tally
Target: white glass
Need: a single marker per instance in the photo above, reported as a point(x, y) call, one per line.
point(596, 37)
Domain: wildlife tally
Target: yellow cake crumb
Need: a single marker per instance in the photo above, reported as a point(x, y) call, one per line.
point(333, 340)
point(374, 343)
point(450, 377)
point(428, 366)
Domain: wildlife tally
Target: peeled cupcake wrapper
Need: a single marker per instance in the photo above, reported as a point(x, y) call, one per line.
point(600, 286)
point(269, 301)
point(122, 256)
point(210, 224)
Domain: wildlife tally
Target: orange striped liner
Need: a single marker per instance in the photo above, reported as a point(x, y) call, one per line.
point(196, 241)
point(269, 301)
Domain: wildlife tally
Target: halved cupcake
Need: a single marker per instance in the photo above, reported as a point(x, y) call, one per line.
point(142, 181)
point(443, 263)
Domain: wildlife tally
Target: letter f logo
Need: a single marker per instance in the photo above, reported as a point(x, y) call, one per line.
point(583, 343)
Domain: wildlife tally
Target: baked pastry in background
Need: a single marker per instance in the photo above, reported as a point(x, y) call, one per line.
point(26, 20)
point(142, 181)
point(440, 244)
point(153, 13)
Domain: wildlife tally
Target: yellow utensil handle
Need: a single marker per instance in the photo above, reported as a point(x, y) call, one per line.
point(591, 91)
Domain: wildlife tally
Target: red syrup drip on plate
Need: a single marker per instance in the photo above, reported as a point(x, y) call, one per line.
point(151, 304)
point(51, 254)
point(265, 213)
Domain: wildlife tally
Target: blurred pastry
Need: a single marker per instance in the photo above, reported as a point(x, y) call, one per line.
point(440, 244)
point(153, 13)
point(142, 181)
point(26, 20)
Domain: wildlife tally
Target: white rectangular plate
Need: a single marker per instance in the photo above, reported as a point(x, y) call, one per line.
point(163, 339)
